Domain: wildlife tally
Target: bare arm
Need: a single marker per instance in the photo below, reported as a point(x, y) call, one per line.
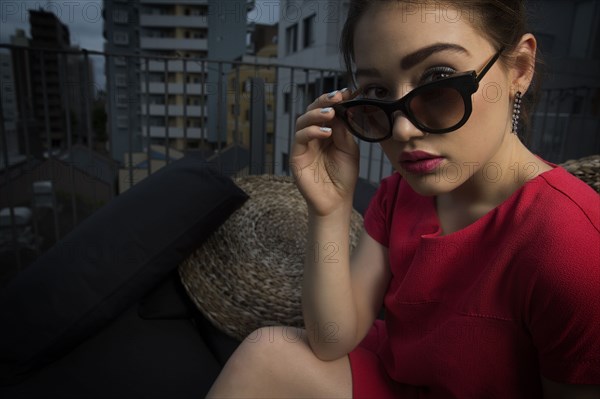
point(340, 297)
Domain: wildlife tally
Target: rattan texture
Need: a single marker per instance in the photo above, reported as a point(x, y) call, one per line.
point(248, 273)
point(587, 169)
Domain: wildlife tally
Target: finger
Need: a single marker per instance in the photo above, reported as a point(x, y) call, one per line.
point(328, 99)
point(317, 116)
point(349, 94)
point(304, 136)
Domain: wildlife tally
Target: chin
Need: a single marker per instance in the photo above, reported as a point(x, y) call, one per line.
point(428, 184)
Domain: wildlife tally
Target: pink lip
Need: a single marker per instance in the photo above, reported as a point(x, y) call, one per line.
point(416, 156)
point(419, 162)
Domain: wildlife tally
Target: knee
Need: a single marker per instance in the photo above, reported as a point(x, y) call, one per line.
point(271, 342)
point(268, 348)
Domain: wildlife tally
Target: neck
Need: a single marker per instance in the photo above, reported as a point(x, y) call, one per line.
point(490, 185)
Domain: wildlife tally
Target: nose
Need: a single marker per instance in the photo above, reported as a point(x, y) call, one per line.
point(403, 129)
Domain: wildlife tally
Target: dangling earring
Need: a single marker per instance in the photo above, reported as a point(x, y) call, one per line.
point(516, 112)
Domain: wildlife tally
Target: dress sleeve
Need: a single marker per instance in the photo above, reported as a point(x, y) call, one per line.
point(378, 213)
point(564, 319)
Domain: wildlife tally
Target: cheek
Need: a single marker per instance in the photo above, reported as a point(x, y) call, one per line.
point(490, 105)
point(490, 114)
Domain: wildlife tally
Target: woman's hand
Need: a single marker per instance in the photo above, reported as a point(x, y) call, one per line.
point(325, 156)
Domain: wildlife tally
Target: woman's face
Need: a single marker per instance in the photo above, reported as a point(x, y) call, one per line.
point(388, 44)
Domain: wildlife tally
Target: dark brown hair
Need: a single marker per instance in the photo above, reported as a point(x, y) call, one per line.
point(502, 22)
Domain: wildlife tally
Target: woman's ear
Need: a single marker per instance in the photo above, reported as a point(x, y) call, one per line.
point(523, 63)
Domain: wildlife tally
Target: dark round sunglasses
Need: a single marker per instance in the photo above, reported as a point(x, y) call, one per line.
point(437, 107)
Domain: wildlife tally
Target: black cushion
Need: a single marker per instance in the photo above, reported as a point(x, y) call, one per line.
point(129, 358)
point(109, 262)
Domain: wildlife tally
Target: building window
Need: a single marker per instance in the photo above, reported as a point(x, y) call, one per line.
point(120, 16)
point(122, 99)
point(309, 30)
point(198, 12)
point(121, 60)
point(193, 78)
point(122, 121)
point(194, 122)
point(193, 100)
point(157, 121)
point(156, 99)
point(121, 38)
point(291, 39)
point(121, 79)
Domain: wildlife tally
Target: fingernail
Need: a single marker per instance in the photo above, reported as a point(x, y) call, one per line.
point(325, 129)
point(345, 89)
point(326, 110)
point(333, 93)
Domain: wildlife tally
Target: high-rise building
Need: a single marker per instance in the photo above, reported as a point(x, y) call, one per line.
point(9, 106)
point(37, 74)
point(163, 80)
point(54, 87)
point(122, 69)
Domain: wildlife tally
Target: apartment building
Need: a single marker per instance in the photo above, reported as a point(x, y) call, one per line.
point(54, 86)
point(9, 100)
point(122, 69)
point(170, 96)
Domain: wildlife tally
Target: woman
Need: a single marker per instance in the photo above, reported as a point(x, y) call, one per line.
point(484, 255)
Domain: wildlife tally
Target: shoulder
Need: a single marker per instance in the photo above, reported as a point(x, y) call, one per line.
point(557, 231)
point(559, 252)
point(384, 205)
point(557, 201)
point(575, 194)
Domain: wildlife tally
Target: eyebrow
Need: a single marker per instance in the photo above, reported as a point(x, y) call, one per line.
point(416, 57)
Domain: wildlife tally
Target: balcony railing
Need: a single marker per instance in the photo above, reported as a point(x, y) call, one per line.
point(64, 163)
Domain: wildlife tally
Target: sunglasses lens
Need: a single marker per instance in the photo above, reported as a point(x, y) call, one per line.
point(368, 121)
point(438, 108)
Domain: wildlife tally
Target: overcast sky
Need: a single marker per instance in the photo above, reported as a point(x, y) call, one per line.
point(84, 20)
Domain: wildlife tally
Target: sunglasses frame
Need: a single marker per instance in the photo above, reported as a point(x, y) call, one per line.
point(466, 83)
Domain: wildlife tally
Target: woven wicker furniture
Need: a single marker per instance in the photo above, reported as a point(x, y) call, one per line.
point(248, 274)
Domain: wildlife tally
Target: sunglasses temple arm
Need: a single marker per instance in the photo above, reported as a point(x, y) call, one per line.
point(489, 65)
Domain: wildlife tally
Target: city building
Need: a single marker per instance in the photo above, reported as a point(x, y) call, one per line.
point(252, 84)
point(163, 89)
point(49, 33)
point(54, 86)
point(9, 108)
point(122, 69)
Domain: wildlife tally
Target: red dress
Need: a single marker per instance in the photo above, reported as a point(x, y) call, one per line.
point(484, 311)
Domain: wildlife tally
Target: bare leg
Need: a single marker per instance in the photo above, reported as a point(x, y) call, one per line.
point(278, 362)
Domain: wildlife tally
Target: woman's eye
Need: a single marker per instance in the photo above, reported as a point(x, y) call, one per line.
point(375, 92)
point(437, 73)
